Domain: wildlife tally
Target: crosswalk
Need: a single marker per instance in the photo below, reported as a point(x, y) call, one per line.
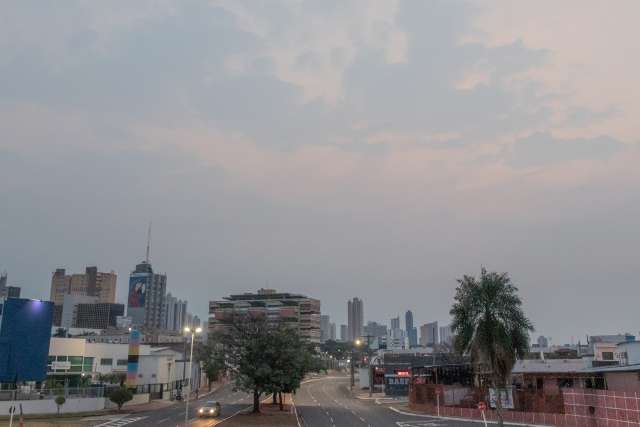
point(120, 422)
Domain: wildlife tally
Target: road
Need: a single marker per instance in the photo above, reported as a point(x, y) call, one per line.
point(172, 416)
point(327, 402)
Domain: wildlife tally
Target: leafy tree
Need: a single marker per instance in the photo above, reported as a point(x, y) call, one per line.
point(212, 359)
point(249, 350)
point(266, 357)
point(60, 400)
point(120, 396)
point(490, 325)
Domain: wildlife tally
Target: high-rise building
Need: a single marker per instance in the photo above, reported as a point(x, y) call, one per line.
point(8, 291)
point(90, 283)
point(97, 316)
point(147, 297)
point(446, 335)
point(70, 309)
point(3, 283)
point(355, 318)
point(170, 312)
point(297, 311)
point(412, 332)
point(344, 333)
point(375, 329)
point(395, 323)
point(429, 334)
point(543, 342)
point(325, 328)
point(332, 331)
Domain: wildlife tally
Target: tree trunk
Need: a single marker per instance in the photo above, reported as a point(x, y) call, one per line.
point(256, 401)
point(281, 403)
point(275, 397)
point(210, 385)
point(499, 404)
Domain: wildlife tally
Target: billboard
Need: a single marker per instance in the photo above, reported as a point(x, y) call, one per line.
point(138, 284)
point(134, 356)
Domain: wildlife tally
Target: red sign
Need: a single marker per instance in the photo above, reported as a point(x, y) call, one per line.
point(402, 373)
point(482, 406)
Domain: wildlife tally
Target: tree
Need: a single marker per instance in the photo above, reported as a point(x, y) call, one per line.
point(490, 326)
point(113, 378)
point(60, 400)
point(266, 357)
point(249, 351)
point(120, 396)
point(211, 357)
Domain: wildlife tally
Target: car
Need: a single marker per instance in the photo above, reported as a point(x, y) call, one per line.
point(210, 409)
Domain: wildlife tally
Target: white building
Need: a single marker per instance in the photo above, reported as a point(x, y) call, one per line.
point(70, 357)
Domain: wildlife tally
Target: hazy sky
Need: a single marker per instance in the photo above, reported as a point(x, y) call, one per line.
point(378, 149)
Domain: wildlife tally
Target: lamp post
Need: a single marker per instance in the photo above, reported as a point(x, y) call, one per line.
point(356, 343)
point(193, 333)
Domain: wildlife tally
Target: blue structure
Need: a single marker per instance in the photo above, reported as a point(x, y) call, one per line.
point(25, 333)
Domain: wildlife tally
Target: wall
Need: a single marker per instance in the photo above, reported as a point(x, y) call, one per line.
point(48, 406)
point(138, 399)
point(623, 381)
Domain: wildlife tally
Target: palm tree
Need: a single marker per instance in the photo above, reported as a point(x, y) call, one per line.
point(490, 325)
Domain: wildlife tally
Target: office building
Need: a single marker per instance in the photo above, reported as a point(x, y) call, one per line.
point(344, 333)
point(429, 334)
point(332, 331)
point(375, 329)
point(325, 328)
point(25, 329)
point(297, 311)
point(176, 317)
point(147, 295)
point(69, 309)
point(90, 283)
point(395, 323)
point(355, 318)
point(446, 335)
point(97, 316)
point(412, 332)
point(8, 291)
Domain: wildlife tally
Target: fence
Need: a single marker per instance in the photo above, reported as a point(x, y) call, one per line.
point(571, 407)
point(69, 392)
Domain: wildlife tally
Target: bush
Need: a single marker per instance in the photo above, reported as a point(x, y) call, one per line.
point(120, 396)
point(60, 400)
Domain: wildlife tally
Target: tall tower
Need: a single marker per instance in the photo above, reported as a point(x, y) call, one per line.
point(146, 303)
point(355, 318)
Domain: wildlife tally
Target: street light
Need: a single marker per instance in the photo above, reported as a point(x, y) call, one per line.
point(188, 330)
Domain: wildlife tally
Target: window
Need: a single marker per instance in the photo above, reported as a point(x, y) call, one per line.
point(61, 358)
point(122, 362)
point(106, 362)
point(75, 360)
point(607, 355)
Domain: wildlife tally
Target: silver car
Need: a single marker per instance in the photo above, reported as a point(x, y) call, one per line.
point(211, 409)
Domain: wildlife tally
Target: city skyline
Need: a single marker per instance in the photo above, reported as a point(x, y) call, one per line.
point(384, 151)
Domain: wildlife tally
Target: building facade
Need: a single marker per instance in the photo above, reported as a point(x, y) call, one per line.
point(146, 304)
point(344, 333)
point(429, 334)
point(375, 329)
point(355, 318)
point(25, 329)
point(446, 335)
point(98, 316)
point(298, 311)
point(90, 283)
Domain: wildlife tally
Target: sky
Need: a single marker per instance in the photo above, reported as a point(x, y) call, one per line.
point(378, 149)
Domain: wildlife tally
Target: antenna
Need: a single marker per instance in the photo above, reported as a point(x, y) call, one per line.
point(148, 243)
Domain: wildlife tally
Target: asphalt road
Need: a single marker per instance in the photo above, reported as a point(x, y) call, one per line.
point(327, 402)
point(172, 416)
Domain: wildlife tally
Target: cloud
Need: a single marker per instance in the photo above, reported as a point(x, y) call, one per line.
point(540, 149)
